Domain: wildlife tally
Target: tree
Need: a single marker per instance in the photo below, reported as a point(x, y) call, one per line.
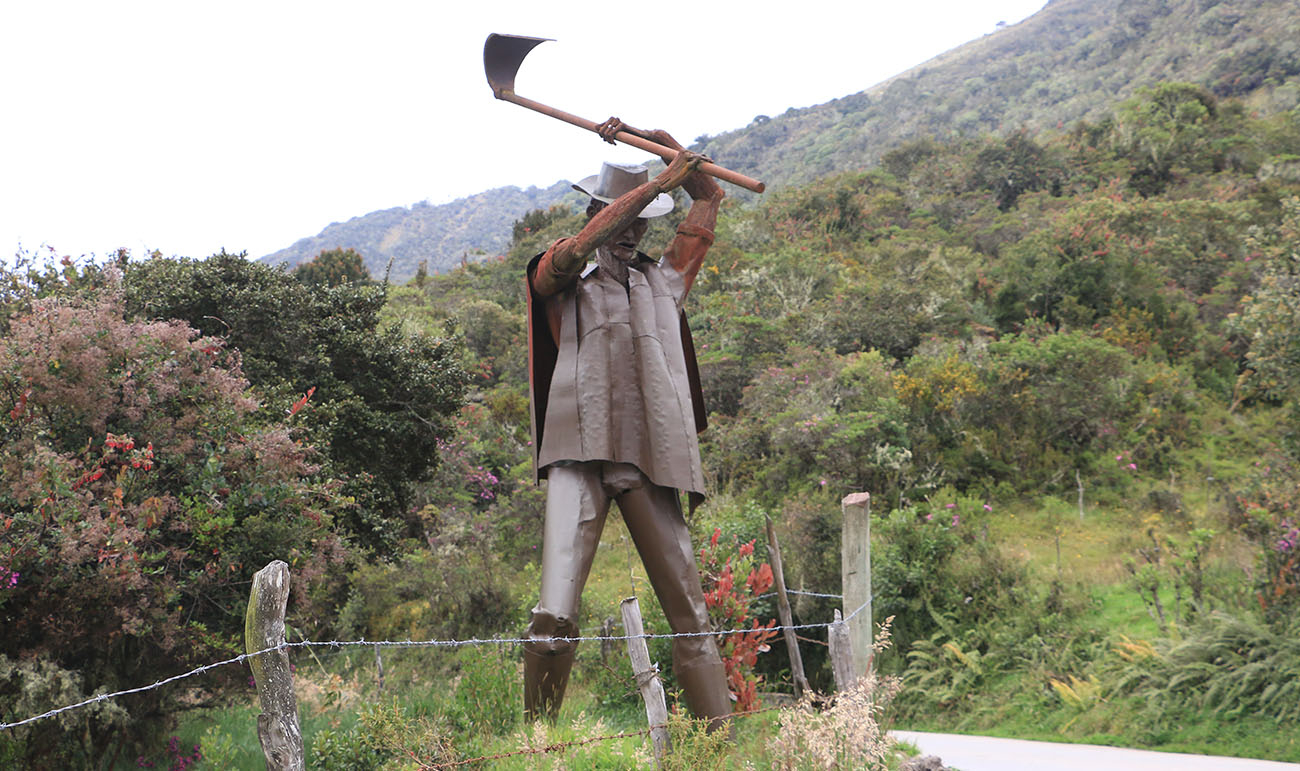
point(1270, 320)
point(1013, 166)
point(333, 267)
point(381, 400)
point(1164, 127)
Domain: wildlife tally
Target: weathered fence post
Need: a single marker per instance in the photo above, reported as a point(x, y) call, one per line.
point(855, 574)
point(841, 653)
point(606, 644)
point(277, 726)
point(1079, 482)
point(647, 677)
point(787, 618)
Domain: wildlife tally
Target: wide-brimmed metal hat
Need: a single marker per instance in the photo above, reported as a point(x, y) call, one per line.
point(615, 179)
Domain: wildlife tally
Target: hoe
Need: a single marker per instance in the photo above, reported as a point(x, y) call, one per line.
point(502, 55)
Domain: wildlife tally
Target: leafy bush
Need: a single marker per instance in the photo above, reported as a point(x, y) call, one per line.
point(382, 398)
point(138, 485)
point(824, 421)
point(729, 608)
point(933, 571)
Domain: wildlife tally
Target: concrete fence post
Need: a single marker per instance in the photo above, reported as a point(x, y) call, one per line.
point(855, 574)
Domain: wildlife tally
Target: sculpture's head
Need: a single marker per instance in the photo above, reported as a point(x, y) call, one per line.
point(621, 246)
point(613, 181)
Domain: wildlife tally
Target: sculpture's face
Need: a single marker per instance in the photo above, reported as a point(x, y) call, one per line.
point(622, 246)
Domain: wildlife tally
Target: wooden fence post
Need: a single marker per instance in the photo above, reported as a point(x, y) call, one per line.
point(277, 726)
point(606, 645)
point(841, 653)
point(855, 575)
point(647, 678)
point(787, 618)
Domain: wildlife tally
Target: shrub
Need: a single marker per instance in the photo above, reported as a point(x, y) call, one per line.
point(382, 398)
point(139, 488)
point(934, 572)
point(728, 604)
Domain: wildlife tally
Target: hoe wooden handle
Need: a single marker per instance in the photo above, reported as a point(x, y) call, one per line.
point(666, 153)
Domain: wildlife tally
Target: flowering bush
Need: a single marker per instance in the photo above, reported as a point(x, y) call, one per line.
point(729, 608)
point(381, 398)
point(137, 495)
point(1268, 518)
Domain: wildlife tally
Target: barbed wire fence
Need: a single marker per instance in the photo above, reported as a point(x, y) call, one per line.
point(277, 697)
point(363, 643)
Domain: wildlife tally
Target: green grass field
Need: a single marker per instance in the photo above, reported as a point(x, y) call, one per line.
point(440, 704)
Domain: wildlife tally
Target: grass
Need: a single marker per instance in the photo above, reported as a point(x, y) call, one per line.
point(434, 698)
point(1021, 703)
point(429, 694)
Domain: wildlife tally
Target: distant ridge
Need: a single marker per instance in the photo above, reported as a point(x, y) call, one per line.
point(471, 228)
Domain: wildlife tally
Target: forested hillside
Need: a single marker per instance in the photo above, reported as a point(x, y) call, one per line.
point(1065, 365)
point(1072, 60)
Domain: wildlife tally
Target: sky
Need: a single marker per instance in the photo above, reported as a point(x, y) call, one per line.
point(188, 127)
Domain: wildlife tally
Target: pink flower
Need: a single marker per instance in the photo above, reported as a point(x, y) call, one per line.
point(987, 507)
point(951, 506)
point(1132, 467)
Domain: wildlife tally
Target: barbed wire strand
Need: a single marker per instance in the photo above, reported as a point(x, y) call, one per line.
point(404, 644)
point(806, 594)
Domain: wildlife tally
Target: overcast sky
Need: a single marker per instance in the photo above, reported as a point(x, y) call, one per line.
point(188, 127)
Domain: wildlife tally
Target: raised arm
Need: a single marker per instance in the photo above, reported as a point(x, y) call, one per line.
point(566, 257)
point(695, 233)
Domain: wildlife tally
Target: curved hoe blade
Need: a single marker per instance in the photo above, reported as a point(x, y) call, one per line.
point(502, 55)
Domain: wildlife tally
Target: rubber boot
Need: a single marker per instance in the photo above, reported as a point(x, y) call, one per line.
point(704, 682)
point(545, 677)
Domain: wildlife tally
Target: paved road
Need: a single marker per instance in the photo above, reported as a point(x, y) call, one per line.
point(986, 753)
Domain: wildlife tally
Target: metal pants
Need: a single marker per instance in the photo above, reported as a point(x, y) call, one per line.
point(577, 501)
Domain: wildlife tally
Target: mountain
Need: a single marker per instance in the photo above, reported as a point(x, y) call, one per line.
point(1072, 60)
point(467, 228)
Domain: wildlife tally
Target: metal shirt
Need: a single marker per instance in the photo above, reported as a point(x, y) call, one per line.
point(620, 389)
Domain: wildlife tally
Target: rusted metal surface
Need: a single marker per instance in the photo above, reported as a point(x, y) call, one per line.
point(615, 399)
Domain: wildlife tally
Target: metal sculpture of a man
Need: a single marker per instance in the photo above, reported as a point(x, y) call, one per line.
point(616, 407)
